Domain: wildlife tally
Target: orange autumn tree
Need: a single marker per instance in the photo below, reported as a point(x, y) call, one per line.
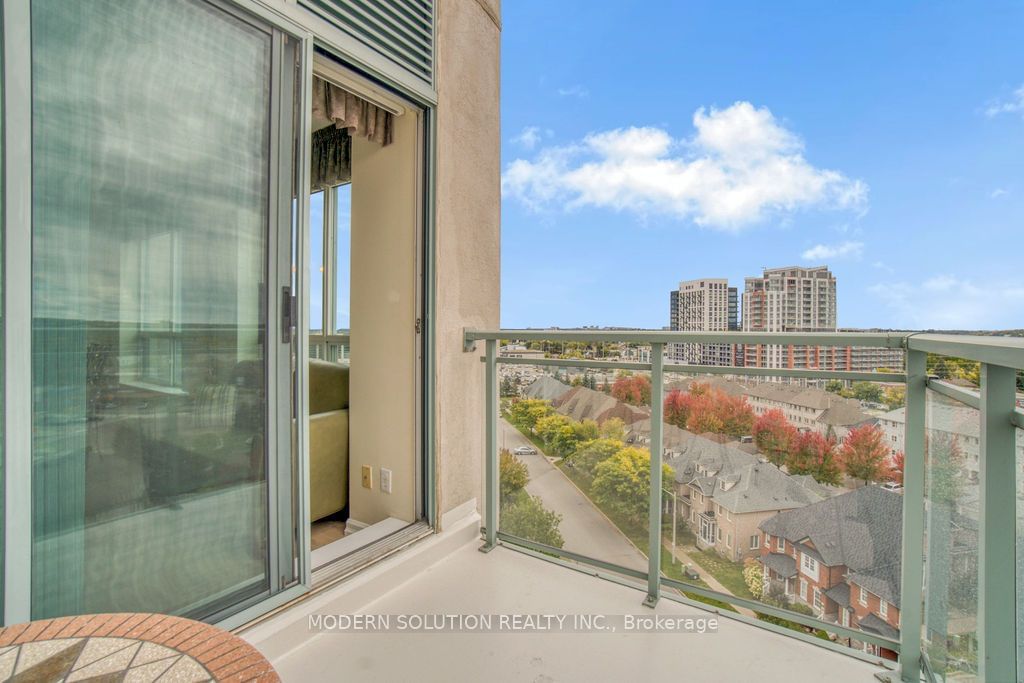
point(705, 409)
point(864, 453)
point(633, 389)
point(775, 436)
point(896, 468)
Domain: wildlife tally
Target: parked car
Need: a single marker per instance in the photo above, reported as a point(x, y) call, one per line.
point(525, 450)
point(690, 573)
point(892, 486)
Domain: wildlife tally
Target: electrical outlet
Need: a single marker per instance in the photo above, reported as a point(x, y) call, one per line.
point(367, 476)
point(385, 480)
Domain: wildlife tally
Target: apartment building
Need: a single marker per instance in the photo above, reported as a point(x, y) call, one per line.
point(706, 305)
point(841, 557)
point(809, 409)
point(795, 299)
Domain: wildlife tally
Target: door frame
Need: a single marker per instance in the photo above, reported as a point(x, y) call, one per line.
point(288, 552)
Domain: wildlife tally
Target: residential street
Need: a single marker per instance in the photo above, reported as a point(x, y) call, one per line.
point(585, 529)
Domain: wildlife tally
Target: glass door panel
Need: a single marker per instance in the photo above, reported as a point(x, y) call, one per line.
point(152, 223)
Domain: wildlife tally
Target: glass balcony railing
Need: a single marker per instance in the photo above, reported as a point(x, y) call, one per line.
point(878, 513)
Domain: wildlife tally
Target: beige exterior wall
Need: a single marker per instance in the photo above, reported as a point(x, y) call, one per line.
point(468, 235)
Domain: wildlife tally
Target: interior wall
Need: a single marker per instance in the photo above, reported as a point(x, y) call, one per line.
point(468, 235)
point(382, 400)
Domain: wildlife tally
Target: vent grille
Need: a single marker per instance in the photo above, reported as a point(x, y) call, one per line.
point(401, 30)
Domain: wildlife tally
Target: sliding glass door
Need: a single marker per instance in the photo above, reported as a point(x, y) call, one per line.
point(161, 177)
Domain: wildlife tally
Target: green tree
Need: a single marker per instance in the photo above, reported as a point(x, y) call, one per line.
point(512, 475)
point(508, 387)
point(613, 428)
point(590, 454)
point(834, 385)
point(895, 397)
point(944, 461)
point(527, 518)
point(527, 412)
point(867, 391)
point(623, 482)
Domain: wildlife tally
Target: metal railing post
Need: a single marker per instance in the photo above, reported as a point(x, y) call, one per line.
point(654, 512)
point(491, 468)
point(997, 528)
point(913, 519)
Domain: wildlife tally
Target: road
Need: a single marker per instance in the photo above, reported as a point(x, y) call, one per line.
point(584, 528)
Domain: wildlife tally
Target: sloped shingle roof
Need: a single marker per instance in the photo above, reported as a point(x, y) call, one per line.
point(861, 529)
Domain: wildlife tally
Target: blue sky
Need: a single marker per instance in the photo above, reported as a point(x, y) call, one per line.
point(647, 143)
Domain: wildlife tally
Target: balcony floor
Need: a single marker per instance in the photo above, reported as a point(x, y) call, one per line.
point(506, 581)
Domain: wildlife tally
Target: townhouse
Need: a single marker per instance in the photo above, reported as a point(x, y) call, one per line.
point(841, 557)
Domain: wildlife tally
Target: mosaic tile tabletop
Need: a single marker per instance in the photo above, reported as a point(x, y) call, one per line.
point(129, 648)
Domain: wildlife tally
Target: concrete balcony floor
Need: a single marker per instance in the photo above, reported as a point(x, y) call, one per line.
point(506, 581)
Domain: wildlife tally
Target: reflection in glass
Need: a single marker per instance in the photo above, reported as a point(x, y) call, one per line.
point(316, 263)
point(343, 257)
point(150, 137)
point(951, 536)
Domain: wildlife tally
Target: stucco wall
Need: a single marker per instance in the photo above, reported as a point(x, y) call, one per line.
point(468, 207)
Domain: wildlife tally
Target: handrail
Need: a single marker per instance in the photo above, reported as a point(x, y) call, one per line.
point(890, 340)
point(999, 357)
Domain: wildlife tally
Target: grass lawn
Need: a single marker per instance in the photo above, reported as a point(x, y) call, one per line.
point(729, 573)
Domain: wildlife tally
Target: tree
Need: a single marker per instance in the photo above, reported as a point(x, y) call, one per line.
point(707, 409)
point(525, 413)
point(585, 430)
point(632, 389)
point(590, 454)
point(623, 482)
point(815, 455)
point(527, 518)
point(512, 475)
point(864, 453)
point(753, 576)
point(677, 408)
point(896, 467)
point(894, 397)
point(559, 433)
point(834, 385)
point(867, 391)
point(613, 428)
point(943, 467)
point(508, 387)
point(775, 436)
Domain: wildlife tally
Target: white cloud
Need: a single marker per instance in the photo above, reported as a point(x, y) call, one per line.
point(830, 251)
point(739, 166)
point(530, 136)
point(998, 192)
point(1014, 104)
point(574, 91)
point(953, 303)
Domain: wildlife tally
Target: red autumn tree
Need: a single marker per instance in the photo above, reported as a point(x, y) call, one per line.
point(775, 436)
point(896, 468)
point(677, 408)
point(633, 389)
point(864, 453)
point(815, 455)
point(705, 409)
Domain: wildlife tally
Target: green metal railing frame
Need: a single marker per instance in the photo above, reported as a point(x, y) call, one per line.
point(1000, 359)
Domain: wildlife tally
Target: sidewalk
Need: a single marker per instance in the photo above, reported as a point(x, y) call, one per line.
point(706, 576)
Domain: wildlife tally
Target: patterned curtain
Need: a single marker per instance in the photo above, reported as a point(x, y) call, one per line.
point(331, 163)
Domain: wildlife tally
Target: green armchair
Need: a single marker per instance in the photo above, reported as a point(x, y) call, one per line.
point(328, 438)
